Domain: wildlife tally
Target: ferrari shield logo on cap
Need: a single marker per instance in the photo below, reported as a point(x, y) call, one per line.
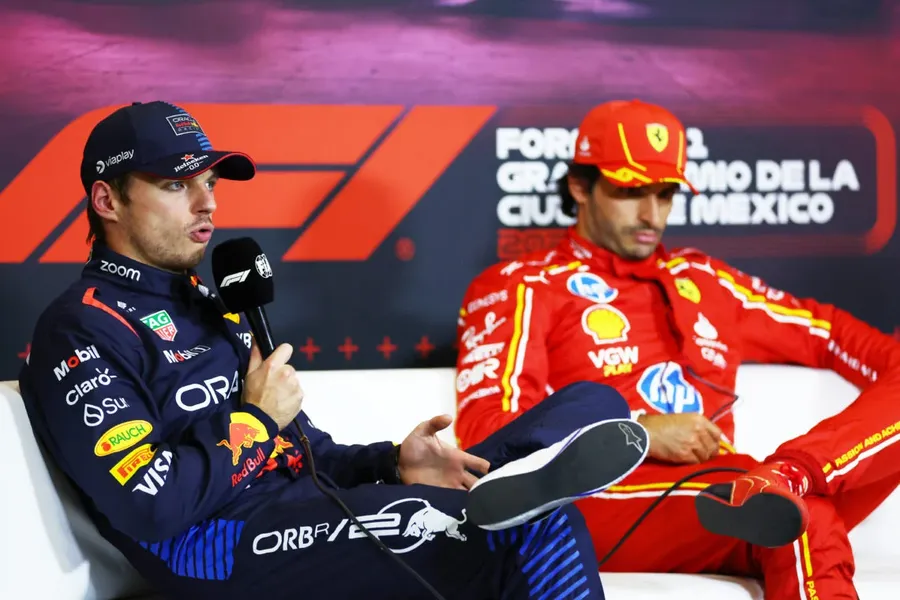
point(658, 135)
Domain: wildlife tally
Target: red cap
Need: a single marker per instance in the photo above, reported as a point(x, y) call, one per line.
point(633, 143)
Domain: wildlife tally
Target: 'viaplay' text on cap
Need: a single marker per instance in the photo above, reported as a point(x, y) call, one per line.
point(159, 139)
point(633, 143)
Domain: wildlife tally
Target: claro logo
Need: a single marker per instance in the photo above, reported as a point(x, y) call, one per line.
point(126, 272)
point(356, 160)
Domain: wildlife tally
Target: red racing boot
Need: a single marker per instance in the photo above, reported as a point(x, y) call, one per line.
point(764, 506)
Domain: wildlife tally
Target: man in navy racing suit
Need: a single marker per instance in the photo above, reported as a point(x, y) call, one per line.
point(156, 404)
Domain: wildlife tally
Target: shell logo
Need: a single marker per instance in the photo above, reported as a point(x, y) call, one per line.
point(605, 324)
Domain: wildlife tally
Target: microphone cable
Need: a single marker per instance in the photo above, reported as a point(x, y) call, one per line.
point(304, 441)
point(659, 500)
point(721, 412)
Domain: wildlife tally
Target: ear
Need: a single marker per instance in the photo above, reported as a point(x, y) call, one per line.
point(579, 189)
point(105, 201)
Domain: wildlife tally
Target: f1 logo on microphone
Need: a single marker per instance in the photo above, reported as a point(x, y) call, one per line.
point(238, 277)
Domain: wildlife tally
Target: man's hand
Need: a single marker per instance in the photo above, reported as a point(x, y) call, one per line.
point(272, 385)
point(683, 438)
point(427, 460)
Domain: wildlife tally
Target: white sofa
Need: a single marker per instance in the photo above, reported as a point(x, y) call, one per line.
point(50, 550)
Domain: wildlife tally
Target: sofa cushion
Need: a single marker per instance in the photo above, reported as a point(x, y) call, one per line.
point(58, 553)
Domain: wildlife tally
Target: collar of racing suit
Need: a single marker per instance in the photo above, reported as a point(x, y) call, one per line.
point(610, 262)
point(122, 271)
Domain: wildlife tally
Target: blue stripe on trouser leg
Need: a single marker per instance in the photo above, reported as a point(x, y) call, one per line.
point(558, 415)
point(555, 558)
point(205, 551)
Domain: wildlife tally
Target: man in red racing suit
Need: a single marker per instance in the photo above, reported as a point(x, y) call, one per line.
point(668, 331)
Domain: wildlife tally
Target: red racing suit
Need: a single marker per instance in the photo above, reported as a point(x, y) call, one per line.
point(669, 334)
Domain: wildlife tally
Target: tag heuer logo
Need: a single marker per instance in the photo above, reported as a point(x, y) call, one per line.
point(162, 324)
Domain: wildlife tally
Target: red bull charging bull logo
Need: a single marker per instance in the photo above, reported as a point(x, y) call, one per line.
point(243, 431)
point(605, 324)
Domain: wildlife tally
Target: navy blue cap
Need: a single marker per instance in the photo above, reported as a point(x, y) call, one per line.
point(159, 139)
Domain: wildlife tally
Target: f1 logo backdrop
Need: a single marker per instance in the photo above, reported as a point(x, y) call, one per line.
point(322, 169)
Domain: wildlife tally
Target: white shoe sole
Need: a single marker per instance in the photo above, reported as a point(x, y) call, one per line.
point(588, 461)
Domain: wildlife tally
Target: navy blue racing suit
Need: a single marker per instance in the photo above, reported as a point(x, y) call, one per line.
point(134, 385)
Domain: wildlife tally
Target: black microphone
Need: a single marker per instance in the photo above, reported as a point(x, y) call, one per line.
point(244, 281)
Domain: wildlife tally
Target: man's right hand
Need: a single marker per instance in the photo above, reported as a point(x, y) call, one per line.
point(272, 385)
point(682, 438)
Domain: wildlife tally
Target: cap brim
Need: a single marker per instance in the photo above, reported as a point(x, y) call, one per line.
point(229, 165)
point(625, 176)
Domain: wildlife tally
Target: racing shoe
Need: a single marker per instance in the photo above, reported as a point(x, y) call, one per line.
point(586, 462)
point(763, 507)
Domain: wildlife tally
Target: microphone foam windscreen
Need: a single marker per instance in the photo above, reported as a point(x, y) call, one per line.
point(242, 274)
